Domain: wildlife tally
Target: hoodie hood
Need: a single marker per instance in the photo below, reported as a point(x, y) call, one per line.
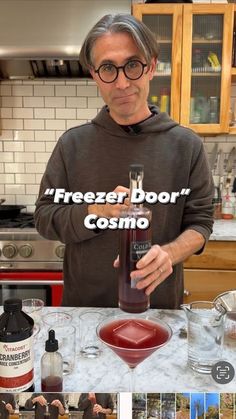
point(159, 122)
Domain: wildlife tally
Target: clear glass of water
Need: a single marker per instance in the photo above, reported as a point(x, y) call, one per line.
point(205, 334)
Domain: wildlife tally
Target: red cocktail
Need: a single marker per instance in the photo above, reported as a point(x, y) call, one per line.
point(133, 338)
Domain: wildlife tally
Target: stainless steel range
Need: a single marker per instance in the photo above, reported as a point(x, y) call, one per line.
point(30, 266)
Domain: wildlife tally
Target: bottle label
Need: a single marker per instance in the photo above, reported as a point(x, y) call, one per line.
point(137, 251)
point(16, 365)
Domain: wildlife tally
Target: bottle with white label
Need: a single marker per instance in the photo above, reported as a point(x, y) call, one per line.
point(134, 244)
point(16, 348)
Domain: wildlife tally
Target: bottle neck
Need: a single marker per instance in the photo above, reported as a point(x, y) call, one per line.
point(136, 182)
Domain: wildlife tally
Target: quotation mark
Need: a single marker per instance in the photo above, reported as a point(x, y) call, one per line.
point(49, 191)
point(185, 191)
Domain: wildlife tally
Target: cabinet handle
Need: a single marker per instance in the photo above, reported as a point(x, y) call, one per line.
point(187, 293)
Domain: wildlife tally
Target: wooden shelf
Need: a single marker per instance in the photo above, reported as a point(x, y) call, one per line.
point(233, 71)
point(213, 74)
point(160, 73)
point(207, 41)
point(232, 130)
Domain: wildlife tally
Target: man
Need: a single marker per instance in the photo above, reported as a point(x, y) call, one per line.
point(54, 401)
point(95, 405)
point(7, 405)
point(121, 54)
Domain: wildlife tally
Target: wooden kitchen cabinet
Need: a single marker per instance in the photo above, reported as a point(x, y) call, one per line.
point(194, 68)
point(211, 273)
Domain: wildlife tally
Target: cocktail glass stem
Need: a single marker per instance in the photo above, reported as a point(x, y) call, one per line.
point(131, 379)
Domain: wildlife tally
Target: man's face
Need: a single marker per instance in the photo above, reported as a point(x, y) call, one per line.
point(126, 99)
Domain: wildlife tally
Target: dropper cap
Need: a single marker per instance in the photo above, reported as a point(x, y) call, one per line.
point(51, 345)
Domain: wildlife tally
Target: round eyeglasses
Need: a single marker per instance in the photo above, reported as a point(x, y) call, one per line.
point(133, 70)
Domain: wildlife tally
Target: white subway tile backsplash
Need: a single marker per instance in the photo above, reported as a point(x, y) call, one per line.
point(6, 177)
point(87, 91)
point(42, 157)
point(45, 113)
point(10, 199)
point(33, 102)
point(14, 189)
point(44, 90)
point(6, 112)
point(32, 189)
point(6, 135)
point(55, 102)
point(20, 90)
point(11, 101)
point(86, 113)
point(38, 178)
point(65, 113)
point(35, 146)
point(76, 102)
point(12, 124)
point(55, 82)
point(47, 135)
point(24, 157)
point(22, 113)
point(14, 168)
point(34, 168)
point(55, 124)
point(1, 168)
point(6, 157)
point(2, 190)
point(27, 179)
point(5, 90)
point(23, 135)
point(65, 90)
point(25, 199)
point(14, 146)
point(35, 124)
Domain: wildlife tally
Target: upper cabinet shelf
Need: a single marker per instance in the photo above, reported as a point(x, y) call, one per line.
point(195, 40)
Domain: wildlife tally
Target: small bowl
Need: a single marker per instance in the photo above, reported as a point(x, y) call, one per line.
point(228, 300)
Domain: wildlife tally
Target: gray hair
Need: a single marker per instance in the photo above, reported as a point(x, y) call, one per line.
point(141, 34)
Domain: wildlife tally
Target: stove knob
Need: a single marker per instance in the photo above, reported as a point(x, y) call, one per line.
point(26, 251)
point(60, 251)
point(9, 251)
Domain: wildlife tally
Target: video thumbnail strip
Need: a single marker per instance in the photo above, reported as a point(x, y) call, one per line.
point(184, 405)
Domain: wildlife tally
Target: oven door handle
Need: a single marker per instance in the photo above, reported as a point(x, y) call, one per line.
point(29, 282)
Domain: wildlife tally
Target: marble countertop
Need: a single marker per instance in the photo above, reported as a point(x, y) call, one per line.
point(165, 370)
point(224, 230)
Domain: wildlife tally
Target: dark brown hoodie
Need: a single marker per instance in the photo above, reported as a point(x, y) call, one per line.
point(96, 157)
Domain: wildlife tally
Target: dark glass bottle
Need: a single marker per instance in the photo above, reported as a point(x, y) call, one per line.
point(16, 348)
point(134, 243)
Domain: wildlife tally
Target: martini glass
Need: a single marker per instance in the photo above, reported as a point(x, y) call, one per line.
point(133, 338)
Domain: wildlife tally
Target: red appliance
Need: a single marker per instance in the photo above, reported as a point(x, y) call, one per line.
point(30, 266)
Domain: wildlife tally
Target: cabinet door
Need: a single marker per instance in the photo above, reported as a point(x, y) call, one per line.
point(165, 21)
point(206, 67)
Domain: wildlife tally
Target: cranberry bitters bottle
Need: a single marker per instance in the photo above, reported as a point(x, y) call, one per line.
point(134, 243)
point(51, 366)
point(16, 348)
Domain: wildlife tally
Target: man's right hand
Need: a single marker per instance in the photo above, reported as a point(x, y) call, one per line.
point(110, 210)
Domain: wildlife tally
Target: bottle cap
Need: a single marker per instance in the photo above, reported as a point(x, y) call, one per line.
point(136, 168)
point(12, 304)
point(51, 345)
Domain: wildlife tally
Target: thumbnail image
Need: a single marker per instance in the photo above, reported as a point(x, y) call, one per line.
point(28, 405)
point(212, 405)
point(139, 406)
point(226, 405)
point(197, 405)
point(183, 406)
point(153, 406)
point(168, 406)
